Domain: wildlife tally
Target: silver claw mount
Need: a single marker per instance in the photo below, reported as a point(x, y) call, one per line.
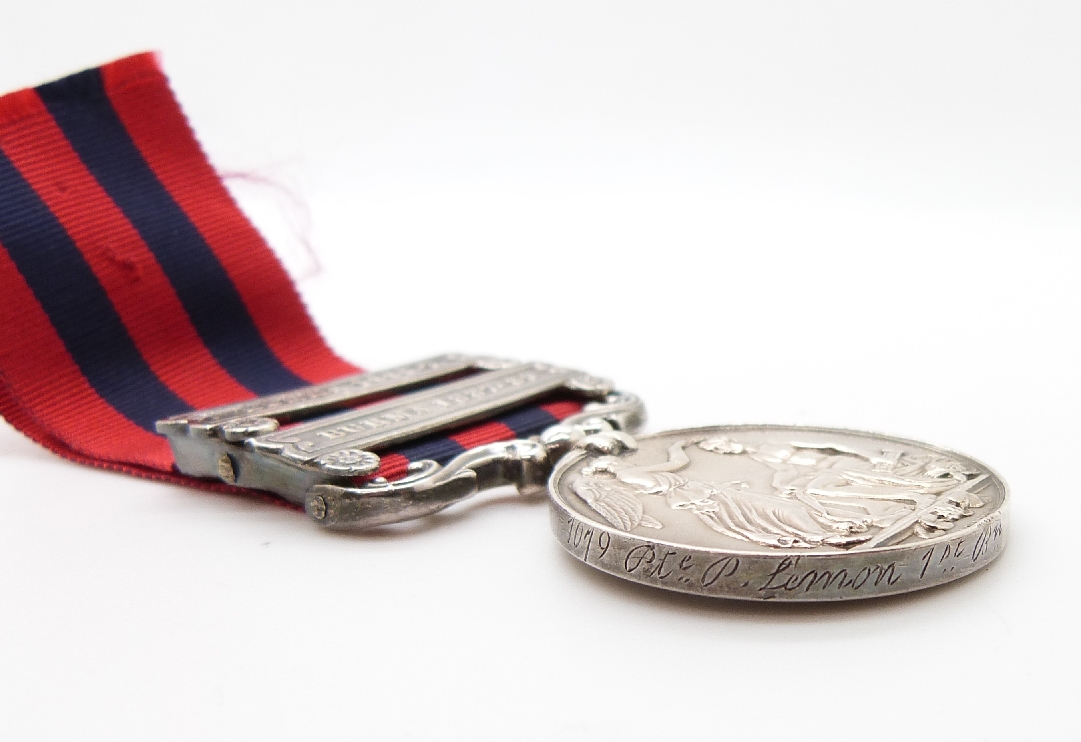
point(618, 412)
point(526, 464)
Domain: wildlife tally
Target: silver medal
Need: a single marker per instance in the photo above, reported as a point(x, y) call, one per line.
point(779, 513)
point(752, 512)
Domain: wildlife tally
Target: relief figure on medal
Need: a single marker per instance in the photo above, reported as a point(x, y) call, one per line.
point(804, 494)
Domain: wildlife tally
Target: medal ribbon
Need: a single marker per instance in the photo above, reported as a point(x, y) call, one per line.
point(133, 288)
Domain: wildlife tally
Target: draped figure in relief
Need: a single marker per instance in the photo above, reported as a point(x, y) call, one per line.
point(819, 493)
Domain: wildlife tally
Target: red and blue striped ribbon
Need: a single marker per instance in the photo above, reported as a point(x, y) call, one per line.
point(132, 288)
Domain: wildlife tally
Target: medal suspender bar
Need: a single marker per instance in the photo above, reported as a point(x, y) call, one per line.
point(327, 460)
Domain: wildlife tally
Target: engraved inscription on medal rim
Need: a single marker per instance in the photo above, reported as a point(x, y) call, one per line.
point(809, 527)
point(806, 577)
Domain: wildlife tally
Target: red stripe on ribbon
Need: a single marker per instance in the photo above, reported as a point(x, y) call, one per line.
point(392, 466)
point(562, 409)
point(483, 434)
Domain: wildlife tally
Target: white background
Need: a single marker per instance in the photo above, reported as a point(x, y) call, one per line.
point(852, 214)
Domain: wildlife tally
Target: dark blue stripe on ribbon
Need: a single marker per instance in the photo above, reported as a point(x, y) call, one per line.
point(78, 306)
point(436, 449)
point(83, 111)
point(530, 421)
